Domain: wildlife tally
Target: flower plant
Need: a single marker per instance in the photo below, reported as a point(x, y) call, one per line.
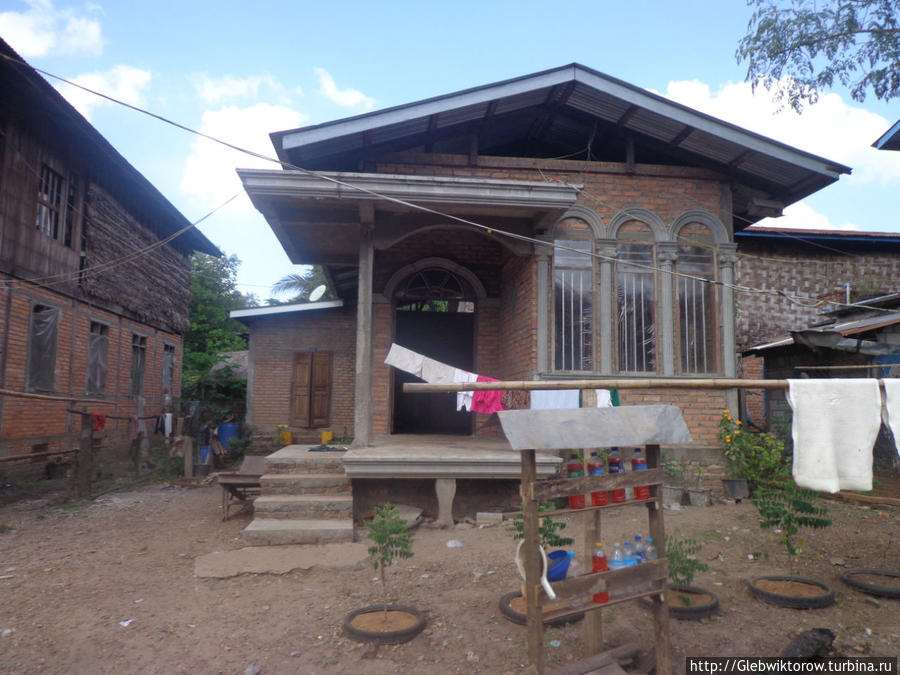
point(759, 458)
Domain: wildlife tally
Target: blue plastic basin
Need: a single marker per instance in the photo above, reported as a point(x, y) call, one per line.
point(558, 565)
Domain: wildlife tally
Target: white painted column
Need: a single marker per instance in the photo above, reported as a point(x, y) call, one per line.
point(727, 257)
point(542, 340)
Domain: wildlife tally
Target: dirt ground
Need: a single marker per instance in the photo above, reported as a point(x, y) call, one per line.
point(110, 586)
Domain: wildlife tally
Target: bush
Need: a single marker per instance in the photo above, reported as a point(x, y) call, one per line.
point(759, 458)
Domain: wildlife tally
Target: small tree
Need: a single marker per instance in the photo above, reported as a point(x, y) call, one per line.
point(548, 529)
point(681, 555)
point(787, 509)
point(390, 539)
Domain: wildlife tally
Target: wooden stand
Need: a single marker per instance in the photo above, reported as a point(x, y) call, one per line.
point(630, 583)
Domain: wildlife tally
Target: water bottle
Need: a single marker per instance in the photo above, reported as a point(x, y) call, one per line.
point(575, 470)
point(595, 468)
point(650, 550)
point(574, 601)
point(599, 563)
point(616, 465)
point(639, 463)
point(640, 549)
point(630, 557)
point(617, 560)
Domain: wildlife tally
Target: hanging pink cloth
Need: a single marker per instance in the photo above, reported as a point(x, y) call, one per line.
point(487, 401)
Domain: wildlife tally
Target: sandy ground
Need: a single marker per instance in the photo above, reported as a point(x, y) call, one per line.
point(126, 584)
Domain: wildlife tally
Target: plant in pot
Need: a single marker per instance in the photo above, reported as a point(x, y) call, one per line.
point(698, 494)
point(285, 435)
point(512, 605)
point(673, 489)
point(786, 509)
point(386, 623)
point(686, 601)
point(753, 461)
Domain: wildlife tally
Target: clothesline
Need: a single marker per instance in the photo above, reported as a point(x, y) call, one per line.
point(603, 383)
point(113, 417)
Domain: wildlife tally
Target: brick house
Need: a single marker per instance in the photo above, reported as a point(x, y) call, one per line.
point(642, 197)
point(94, 272)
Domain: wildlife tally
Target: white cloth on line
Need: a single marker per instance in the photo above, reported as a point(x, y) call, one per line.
point(405, 359)
point(892, 408)
point(464, 398)
point(167, 424)
point(604, 398)
point(836, 422)
point(555, 399)
point(435, 372)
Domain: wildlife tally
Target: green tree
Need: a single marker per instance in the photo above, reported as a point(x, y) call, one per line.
point(797, 47)
point(299, 286)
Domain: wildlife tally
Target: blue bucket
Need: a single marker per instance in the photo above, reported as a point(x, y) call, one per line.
point(228, 431)
point(203, 454)
point(557, 565)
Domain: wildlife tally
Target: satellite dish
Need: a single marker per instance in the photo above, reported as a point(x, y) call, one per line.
point(317, 293)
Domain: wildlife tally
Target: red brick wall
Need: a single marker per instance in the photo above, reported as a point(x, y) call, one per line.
point(273, 343)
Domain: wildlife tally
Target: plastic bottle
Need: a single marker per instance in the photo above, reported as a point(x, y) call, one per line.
point(574, 570)
point(575, 469)
point(630, 557)
point(639, 463)
point(617, 559)
point(599, 563)
point(650, 550)
point(595, 468)
point(616, 465)
point(639, 549)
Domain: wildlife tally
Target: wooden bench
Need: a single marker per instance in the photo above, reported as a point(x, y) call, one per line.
point(242, 485)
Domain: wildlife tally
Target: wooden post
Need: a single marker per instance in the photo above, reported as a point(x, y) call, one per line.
point(84, 465)
point(533, 563)
point(657, 531)
point(593, 621)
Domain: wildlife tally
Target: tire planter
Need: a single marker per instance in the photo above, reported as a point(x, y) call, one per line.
point(849, 578)
point(519, 617)
point(357, 627)
point(821, 595)
point(692, 612)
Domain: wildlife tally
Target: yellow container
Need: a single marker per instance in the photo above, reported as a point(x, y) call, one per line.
point(286, 437)
point(327, 436)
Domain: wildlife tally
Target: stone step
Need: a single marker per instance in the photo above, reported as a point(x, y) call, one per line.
point(292, 506)
point(298, 459)
point(267, 531)
point(304, 483)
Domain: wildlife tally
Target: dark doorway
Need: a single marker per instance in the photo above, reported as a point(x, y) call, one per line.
point(447, 337)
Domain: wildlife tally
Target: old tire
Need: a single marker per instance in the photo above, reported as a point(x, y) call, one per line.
point(818, 601)
point(386, 637)
point(693, 612)
point(518, 617)
point(849, 578)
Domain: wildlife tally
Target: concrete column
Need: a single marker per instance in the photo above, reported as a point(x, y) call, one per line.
point(727, 257)
point(605, 307)
point(666, 255)
point(542, 339)
point(362, 419)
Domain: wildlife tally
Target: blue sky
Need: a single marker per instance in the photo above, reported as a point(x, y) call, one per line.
point(241, 70)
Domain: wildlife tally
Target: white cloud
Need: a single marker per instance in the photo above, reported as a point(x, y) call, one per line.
point(214, 91)
point(42, 29)
point(124, 83)
point(209, 172)
point(803, 216)
point(345, 98)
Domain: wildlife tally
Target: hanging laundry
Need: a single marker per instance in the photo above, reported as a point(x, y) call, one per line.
point(487, 402)
point(405, 359)
point(836, 422)
point(604, 398)
point(99, 421)
point(516, 399)
point(892, 408)
point(464, 398)
point(167, 424)
point(556, 399)
point(435, 372)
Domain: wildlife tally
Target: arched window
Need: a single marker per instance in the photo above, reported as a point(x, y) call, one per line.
point(635, 298)
point(573, 301)
point(696, 300)
point(435, 289)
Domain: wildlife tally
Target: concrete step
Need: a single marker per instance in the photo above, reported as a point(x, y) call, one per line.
point(298, 459)
point(304, 483)
point(294, 506)
point(267, 531)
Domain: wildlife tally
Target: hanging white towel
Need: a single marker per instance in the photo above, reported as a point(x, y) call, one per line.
point(464, 398)
point(555, 399)
point(405, 359)
point(892, 407)
point(835, 426)
point(435, 372)
point(604, 398)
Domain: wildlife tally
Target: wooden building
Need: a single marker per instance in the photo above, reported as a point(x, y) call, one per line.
point(94, 272)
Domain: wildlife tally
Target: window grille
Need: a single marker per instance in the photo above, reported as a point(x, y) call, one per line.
point(138, 357)
point(49, 202)
point(635, 292)
point(573, 285)
point(696, 310)
point(98, 359)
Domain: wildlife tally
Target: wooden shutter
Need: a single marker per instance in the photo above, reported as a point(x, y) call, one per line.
point(321, 388)
point(300, 399)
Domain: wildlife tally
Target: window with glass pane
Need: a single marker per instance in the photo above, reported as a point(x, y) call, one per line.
point(138, 357)
point(573, 305)
point(168, 374)
point(42, 347)
point(49, 202)
point(696, 309)
point(636, 296)
point(98, 359)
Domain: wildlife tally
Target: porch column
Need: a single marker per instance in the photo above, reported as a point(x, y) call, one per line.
point(727, 257)
point(542, 339)
point(666, 254)
point(362, 417)
point(604, 317)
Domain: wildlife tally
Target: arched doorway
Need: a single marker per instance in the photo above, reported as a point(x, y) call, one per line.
point(435, 316)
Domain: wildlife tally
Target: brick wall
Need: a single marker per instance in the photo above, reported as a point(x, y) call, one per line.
point(273, 342)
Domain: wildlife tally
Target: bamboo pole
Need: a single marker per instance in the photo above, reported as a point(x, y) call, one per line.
point(601, 383)
point(48, 397)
